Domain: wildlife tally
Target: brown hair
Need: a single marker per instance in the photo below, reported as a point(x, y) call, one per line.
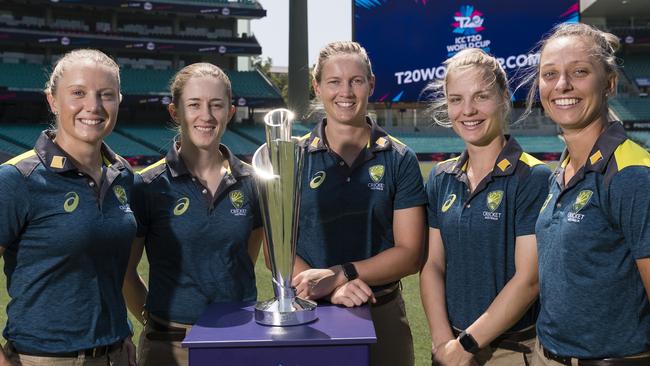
point(196, 70)
point(71, 57)
point(603, 47)
point(469, 58)
point(340, 48)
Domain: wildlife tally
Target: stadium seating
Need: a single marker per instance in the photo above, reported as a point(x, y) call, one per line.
point(22, 134)
point(426, 143)
point(145, 81)
point(255, 133)
point(641, 137)
point(32, 77)
point(423, 143)
point(541, 144)
point(631, 108)
point(10, 148)
point(27, 77)
point(636, 65)
point(127, 147)
point(243, 140)
point(251, 83)
point(420, 142)
point(159, 138)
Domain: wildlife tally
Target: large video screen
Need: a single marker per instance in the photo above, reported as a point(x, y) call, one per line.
point(408, 40)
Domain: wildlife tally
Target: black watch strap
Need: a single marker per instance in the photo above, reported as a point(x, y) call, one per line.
point(350, 271)
point(468, 342)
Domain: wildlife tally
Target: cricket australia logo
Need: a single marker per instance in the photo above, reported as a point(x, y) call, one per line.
point(237, 200)
point(494, 199)
point(581, 201)
point(376, 174)
point(450, 201)
point(317, 179)
point(120, 194)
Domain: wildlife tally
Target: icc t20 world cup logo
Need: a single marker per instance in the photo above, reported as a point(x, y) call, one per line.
point(468, 20)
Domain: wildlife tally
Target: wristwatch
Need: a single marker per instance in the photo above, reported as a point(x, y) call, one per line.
point(349, 271)
point(468, 342)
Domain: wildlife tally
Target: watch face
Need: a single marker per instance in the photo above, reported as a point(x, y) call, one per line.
point(349, 271)
point(467, 341)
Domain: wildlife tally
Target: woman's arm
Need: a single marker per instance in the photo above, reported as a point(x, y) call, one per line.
point(388, 266)
point(514, 299)
point(432, 292)
point(134, 289)
point(405, 257)
point(644, 270)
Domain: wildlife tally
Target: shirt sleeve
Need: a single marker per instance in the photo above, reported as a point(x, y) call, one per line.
point(629, 200)
point(139, 205)
point(14, 205)
point(432, 199)
point(410, 188)
point(531, 194)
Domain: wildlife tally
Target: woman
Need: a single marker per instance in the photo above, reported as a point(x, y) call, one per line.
point(480, 278)
point(361, 215)
point(594, 229)
point(199, 218)
point(66, 227)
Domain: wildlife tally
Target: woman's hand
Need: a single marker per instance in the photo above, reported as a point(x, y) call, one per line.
point(130, 351)
point(452, 353)
point(353, 293)
point(314, 284)
point(4, 360)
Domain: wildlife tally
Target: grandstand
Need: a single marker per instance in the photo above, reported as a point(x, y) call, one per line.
point(151, 42)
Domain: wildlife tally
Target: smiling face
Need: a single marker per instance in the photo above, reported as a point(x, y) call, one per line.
point(573, 85)
point(475, 106)
point(344, 88)
point(86, 102)
point(203, 112)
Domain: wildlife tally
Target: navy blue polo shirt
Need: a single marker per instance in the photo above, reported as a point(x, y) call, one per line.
point(479, 229)
point(197, 247)
point(589, 235)
point(346, 212)
point(67, 244)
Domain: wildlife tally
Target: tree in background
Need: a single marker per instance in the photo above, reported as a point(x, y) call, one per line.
point(279, 79)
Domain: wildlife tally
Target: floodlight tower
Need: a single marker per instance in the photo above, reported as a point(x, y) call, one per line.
point(298, 58)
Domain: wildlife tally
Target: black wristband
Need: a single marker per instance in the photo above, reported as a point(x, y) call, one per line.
point(349, 271)
point(468, 342)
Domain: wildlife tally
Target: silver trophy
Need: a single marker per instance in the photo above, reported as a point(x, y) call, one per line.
point(278, 171)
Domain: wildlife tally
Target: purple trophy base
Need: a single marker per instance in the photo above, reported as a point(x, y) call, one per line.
point(227, 334)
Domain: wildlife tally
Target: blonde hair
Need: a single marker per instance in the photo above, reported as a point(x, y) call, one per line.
point(469, 58)
point(603, 47)
point(340, 48)
point(196, 70)
point(86, 54)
